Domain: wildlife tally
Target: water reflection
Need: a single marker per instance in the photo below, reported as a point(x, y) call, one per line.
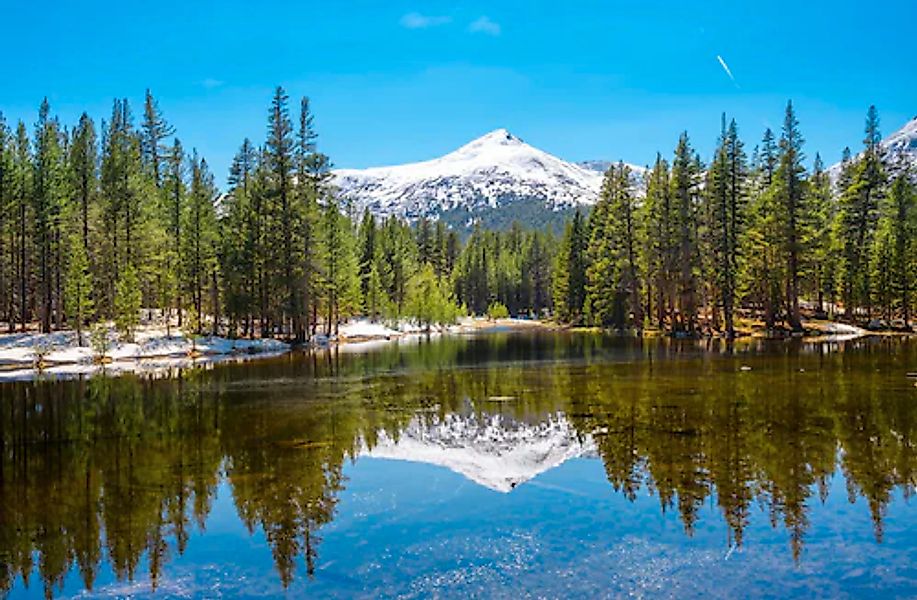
point(125, 469)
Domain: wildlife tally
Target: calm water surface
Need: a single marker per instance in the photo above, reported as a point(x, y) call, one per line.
point(500, 465)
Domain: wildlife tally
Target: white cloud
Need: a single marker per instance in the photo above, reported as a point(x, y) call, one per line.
point(418, 21)
point(484, 25)
point(211, 83)
point(726, 69)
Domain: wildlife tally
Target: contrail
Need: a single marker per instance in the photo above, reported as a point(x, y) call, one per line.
point(726, 68)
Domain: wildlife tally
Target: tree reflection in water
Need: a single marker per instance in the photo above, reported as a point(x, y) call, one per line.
point(121, 468)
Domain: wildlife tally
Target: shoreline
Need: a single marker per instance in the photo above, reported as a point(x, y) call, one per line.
point(154, 349)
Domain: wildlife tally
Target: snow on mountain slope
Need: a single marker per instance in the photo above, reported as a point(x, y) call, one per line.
point(902, 145)
point(900, 150)
point(637, 174)
point(490, 172)
point(493, 451)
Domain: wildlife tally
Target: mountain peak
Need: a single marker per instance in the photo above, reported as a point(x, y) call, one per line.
point(490, 173)
point(500, 135)
point(497, 137)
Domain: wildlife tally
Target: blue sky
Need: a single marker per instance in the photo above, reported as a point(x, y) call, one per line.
point(393, 82)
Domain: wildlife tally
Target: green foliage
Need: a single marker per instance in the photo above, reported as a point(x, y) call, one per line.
point(340, 271)
point(428, 301)
point(512, 267)
point(725, 220)
point(100, 340)
point(376, 303)
point(762, 270)
point(569, 280)
point(497, 310)
point(893, 268)
point(684, 192)
point(612, 276)
point(199, 243)
point(127, 302)
point(862, 189)
point(794, 210)
point(659, 248)
point(78, 296)
point(820, 241)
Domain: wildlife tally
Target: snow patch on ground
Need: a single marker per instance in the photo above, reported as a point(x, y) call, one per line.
point(362, 331)
point(62, 355)
point(364, 328)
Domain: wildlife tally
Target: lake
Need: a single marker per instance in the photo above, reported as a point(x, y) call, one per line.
point(497, 465)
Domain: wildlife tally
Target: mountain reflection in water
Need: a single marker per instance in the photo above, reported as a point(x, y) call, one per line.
point(118, 473)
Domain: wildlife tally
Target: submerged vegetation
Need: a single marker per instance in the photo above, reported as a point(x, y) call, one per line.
point(98, 223)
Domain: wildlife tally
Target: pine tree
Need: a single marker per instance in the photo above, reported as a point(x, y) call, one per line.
point(174, 208)
point(424, 233)
point(238, 240)
point(863, 188)
point(569, 280)
point(368, 267)
point(535, 272)
point(341, 295)
point(397, 260)
point(685, 199)
point(127, 302)
point(121, 197)
point(84, 172)
point(199, 250)
point(7, 240)
point(22, 219)
point(658, 254)
point(280, 159)
point(736, 206)
point(79, 287)
point(768, 159)
point(893, 261)
point(725, 195)
point(261, 243)
point(612, 278)
point(439, 250)
point(821, 241)
point(375, 301)
point(155, 130)
point(790, 178)
point(48, 197)
point(882, 269)
point(762, 263)
point(313, 175)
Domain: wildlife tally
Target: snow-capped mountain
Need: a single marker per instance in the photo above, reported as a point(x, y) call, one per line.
point(494, 172)
point(900, 150)
point(491, 450)
point(901, 146)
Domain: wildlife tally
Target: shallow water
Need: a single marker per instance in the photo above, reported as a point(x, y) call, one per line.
point(500, 465)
